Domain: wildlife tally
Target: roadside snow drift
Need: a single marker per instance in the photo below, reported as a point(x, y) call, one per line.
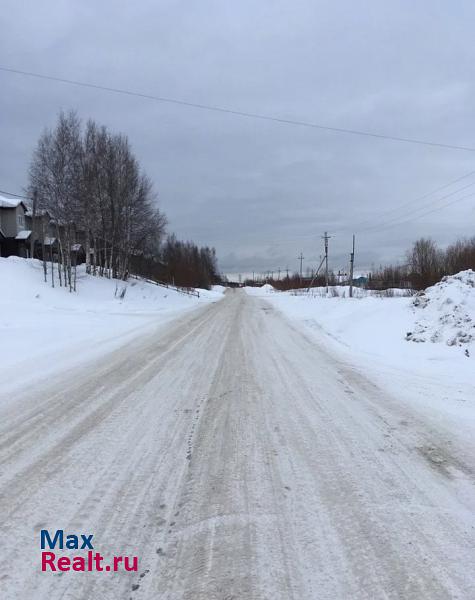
point(44, 329)
point(375, 329)
point(369, 334)
point(445, 312)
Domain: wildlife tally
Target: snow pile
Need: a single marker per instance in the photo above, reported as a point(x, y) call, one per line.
point(267, 288)
point(445, 312)
point(44, 329)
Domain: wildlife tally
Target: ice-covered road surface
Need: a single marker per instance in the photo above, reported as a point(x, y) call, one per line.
point(238, 460)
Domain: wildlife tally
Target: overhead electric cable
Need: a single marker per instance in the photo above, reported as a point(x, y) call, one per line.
point(419, 198)
point(430, 206)
point(416, 217)
point(235, 112)
point(14, 195)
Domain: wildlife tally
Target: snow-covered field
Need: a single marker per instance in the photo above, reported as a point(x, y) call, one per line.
point(44, 330)
point(379, 335)
point(377, 327)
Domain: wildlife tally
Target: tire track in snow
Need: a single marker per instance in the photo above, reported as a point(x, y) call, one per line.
point(239, 461)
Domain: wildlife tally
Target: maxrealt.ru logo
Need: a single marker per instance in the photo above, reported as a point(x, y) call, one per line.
point(86, 560)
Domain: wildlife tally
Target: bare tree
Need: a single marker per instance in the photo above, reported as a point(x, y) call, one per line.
point(55, 172)
point(93, 187)
point(425, 260)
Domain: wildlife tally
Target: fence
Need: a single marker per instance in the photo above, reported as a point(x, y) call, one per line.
point(340, 291)
point(181, 290)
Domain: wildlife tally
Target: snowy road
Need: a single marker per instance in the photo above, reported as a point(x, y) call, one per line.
point(238, 460)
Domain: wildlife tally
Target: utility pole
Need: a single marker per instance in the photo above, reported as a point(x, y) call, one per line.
point(287, 270)
point(326, 238)
point(352, 263)
point(33, 224)
point(300, 258)
point(279, 274)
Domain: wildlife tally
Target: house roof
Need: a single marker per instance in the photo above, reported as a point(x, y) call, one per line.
point(24, 234)
point(8, 202)
point(11, 202)
point(49, 241)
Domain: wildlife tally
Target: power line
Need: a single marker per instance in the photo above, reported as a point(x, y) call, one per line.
point(239, 113)
point(398, 222)
point(395, 220)
point(389, 225)
point(14, 195)
point(423, 197)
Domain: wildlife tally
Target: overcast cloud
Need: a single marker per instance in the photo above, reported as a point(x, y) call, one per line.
point(262, 192)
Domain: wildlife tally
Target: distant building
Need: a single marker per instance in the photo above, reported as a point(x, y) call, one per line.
point(361, 281)
point(14, 235)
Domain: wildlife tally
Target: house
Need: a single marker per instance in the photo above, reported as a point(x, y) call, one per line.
point(14, 235)
point(360, 281)
point(78, 254)
point(44, 231)
point(18, 228)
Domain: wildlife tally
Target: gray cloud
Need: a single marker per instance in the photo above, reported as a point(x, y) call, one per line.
point(261, 192)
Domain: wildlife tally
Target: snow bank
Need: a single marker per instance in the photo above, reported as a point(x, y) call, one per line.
point(334, 291)
point(445, 312)
point(343, 291)
point(258, 291)
point(219, 288)
point(44, 329)
point(369, 333)
point(373, 328)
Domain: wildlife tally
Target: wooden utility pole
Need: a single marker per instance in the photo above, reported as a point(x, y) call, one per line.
point(300, 258)
point(43, 250)
point(326, 238)
point(315, 274)
point(352, 263)
point(33, 223)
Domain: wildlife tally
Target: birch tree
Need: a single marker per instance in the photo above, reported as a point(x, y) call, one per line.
point(95, 190)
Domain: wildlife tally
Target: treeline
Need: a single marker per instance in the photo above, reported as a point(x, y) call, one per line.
point(293, 281)
point(187, 265)
point(426, 264)
point(97, 195)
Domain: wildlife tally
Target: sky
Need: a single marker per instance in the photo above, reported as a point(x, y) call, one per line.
point(261, 192)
